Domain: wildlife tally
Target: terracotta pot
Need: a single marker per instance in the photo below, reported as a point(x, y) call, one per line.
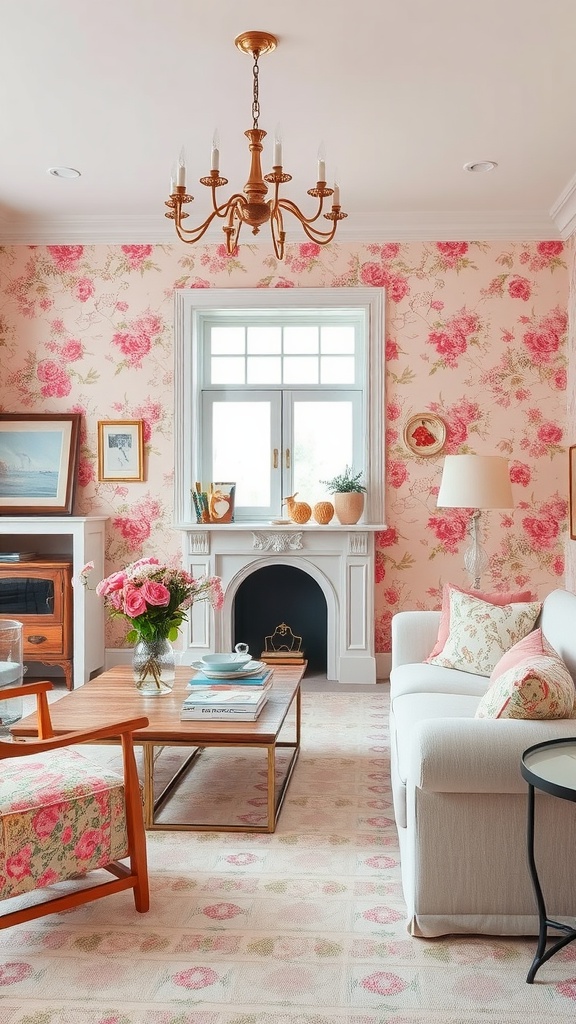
point(348, 506)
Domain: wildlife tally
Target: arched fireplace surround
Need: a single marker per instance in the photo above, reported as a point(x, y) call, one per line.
point(339, 558)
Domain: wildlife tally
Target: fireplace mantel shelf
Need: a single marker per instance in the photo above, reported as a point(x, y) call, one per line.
point(276, 527)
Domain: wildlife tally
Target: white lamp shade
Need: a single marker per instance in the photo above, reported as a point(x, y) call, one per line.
point(475, 481)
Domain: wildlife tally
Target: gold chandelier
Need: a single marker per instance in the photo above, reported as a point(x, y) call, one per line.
point(251, 207)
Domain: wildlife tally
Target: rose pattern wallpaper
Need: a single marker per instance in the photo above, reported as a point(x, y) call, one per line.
point(476, 333)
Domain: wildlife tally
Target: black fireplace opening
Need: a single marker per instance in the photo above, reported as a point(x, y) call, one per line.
point(278, 594)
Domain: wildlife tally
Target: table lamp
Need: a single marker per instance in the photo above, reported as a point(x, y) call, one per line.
point(477, 482)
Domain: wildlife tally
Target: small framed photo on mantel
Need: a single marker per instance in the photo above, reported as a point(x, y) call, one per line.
point(121, 451)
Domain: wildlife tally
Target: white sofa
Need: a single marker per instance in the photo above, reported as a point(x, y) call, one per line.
point(460, 800)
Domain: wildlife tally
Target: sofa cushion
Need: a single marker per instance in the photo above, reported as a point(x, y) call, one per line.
point(444, 627)
point(533, 645)
point(536, 687)
point(419, 678)
point(480, 632)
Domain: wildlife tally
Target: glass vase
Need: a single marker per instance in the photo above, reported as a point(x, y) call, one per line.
point(11, 671)
point(153, 666)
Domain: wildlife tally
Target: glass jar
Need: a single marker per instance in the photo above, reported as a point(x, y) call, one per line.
point(11, 671)
point(153, 665)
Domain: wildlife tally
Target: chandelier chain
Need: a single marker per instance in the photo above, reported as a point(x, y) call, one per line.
point(250, 206)
point(255, 102)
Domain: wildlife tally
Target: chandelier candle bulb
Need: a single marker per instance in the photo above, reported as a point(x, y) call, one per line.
point(181, 176)
point(277, 153)
point(336, 196)
point(215, 160)
point(321, 170)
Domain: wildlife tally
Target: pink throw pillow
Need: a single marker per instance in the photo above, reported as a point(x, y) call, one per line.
point(534, 645)
point(444, 627)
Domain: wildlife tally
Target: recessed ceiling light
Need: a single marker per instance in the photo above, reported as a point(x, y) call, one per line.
point(63, 172)
point(479, 166)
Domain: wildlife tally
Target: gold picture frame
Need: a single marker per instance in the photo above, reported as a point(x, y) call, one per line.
point(121, 451)
point(572, 489)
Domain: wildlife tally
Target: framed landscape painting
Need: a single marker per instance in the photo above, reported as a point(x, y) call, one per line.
point(38, 459)
point(121, 450)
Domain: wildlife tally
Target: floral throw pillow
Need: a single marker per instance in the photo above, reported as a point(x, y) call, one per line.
point(448, 588)
point(480, 632)
point(536, 688)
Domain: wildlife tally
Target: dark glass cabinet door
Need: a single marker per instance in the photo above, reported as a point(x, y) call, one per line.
point(26, 595)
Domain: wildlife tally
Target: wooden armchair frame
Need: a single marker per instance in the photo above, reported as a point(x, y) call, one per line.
point(134, 876)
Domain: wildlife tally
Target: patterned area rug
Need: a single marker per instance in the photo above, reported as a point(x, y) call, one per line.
point(305, 926)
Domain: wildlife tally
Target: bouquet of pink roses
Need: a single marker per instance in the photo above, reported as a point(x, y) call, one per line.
point(155, 598)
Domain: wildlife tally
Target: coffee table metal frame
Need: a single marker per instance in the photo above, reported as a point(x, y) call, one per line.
point(536, 781)
point(89, 703)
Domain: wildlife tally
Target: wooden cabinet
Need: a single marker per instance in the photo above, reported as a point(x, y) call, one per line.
point(76, 540)
point(39, 594)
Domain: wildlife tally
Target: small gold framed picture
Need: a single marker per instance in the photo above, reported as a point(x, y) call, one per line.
point(121, 450)
point(425, 434)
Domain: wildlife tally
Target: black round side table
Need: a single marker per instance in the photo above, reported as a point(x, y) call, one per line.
point(550, 767)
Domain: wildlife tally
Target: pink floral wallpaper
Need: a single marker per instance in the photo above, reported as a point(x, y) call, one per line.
point(476, 332)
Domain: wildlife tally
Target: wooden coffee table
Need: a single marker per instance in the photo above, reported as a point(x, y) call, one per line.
point(112, 697)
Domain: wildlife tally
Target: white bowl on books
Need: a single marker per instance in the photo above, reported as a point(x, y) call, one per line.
point(225, 662)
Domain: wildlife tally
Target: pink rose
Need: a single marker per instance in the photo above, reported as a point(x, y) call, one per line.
point(542, 532)
point(450, 528)
point(56, 384)
point(18, 866)
point(84, 289)
point(452, 251)
point(155, 593)
point(560, 380)
point(284, 283)
point(72, 350)
point(45, 821)
point(392, 350)
point(87, 844)
point(387, 538)
point(133, 346)
point(550, 248)
point(113, 582)
point(542, 344)
point(390, 251)
point(550, 433)
point(450, 346)
point(133, 603)
point(374, 275)
point(520, 474)
point(519, 288)
point(558, 565)
point(135, 531)
point(309, 249)
point(136, 254)
point(66, 256)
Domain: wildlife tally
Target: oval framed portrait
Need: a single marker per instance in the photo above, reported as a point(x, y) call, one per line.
point(425, 434)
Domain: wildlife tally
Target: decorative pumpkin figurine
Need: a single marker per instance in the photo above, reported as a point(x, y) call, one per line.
point(323, 512)
point(298, 511)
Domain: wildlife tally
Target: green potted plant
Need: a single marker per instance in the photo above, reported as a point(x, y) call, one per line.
point(348, 495)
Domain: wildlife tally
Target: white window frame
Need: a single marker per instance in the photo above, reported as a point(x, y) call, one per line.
point(192, 304)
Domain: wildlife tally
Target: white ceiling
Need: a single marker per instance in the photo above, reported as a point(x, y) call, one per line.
point(402, 92)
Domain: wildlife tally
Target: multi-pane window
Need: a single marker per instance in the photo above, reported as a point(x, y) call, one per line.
point(273, 399)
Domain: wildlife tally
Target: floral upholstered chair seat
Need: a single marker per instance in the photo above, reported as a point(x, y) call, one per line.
point(60, 816)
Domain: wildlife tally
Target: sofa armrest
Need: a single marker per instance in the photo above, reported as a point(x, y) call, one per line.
point(471, 755)
point(414, 634)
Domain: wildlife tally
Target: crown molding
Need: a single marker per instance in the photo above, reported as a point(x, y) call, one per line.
point(364, 228)
point(563, 212)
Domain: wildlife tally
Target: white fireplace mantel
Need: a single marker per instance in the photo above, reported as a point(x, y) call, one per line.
point(340, 559)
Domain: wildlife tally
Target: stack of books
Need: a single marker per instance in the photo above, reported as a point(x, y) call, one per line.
point(283, 657)
point(220, 702)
